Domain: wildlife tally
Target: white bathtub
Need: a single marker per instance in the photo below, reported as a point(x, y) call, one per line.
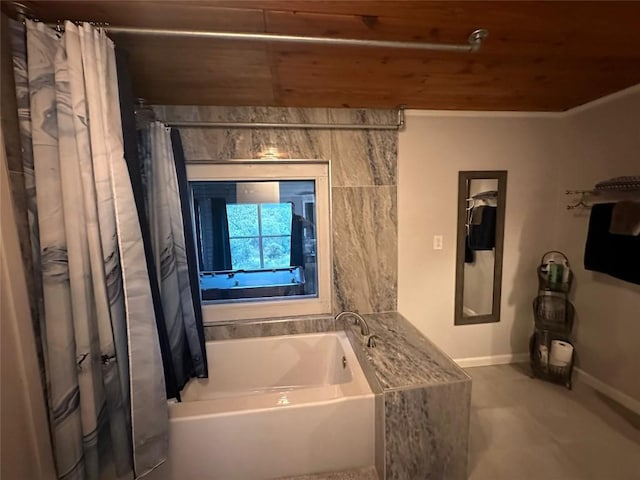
point(272, 407)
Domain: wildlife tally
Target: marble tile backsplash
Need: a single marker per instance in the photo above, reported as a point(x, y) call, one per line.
point(363, 177)
point(269, 327)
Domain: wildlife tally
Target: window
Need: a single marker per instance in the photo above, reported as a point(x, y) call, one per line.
point(263, 238)
point(259, 235)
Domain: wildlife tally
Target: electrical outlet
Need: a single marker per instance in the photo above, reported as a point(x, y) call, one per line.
point(437, 242)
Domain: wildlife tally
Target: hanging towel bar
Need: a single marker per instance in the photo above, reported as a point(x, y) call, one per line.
point(609, 195)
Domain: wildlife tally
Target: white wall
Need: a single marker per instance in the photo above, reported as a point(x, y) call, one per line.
point(431, 151)
point(544, 155)
point(605, 142)
point(25, 451)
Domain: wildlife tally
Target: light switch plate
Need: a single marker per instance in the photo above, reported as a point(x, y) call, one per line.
point(437, 242)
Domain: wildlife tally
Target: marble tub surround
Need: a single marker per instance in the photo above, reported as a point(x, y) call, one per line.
point(422, 398)
point(363, 176)
point(427, 432)
point(357, 342)
point(379, 442)
point(365, 253)
point(422, 414)
point(404, 358)
point(269, 327)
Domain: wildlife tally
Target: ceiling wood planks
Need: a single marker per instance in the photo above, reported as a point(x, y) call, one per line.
point(541, 56)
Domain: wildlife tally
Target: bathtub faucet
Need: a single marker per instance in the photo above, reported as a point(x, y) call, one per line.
point(364, 328)
point(371, 340)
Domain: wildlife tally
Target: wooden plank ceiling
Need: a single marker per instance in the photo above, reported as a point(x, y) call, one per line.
point(540, 56)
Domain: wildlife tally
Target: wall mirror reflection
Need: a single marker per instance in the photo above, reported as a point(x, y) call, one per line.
point(481, 213)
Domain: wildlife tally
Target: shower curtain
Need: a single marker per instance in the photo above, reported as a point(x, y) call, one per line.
point(172, 242)
point(103, 368)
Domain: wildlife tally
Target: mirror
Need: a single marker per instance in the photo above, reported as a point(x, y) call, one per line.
point(481, 212)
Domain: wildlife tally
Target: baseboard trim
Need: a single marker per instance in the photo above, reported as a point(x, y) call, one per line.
point(620, 397)
point(492, 360)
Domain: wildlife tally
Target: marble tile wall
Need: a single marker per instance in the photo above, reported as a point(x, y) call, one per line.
point(365, 248)
point(427, 431)
point(219, 144)
point(363, 177)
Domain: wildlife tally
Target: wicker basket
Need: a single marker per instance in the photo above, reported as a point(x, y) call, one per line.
point(559, 371)
point(548, 371)
point(553, 313)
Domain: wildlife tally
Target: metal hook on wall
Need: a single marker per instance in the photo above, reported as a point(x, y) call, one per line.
point(581, 201)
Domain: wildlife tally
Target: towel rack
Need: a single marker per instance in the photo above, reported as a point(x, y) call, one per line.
point(489, 194)
point(605, 195)
point(482, 196)
point(479, 197)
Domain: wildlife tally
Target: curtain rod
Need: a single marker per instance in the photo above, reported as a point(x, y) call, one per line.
point(305, 126)
point(474, 41)
point(308, 126)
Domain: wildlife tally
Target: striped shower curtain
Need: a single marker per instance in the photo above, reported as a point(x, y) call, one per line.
point(103, 368)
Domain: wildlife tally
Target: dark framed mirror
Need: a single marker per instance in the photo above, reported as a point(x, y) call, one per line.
point(481, 212)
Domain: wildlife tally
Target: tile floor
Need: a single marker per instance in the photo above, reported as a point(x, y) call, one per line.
point(524, 429)
point(368, 473)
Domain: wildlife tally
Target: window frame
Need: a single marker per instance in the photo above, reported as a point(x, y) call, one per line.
point(260, 170)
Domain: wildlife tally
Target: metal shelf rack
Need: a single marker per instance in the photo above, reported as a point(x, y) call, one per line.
point(553, 314)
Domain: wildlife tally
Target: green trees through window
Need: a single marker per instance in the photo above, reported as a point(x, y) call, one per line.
point(259, 235)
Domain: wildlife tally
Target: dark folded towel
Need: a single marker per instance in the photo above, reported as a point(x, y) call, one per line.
point(469, 256)
point(476, 215)
point(615, 255)
point(483, 236)
point(625, 218)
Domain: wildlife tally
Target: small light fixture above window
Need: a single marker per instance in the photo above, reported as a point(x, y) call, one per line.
point(270, 153)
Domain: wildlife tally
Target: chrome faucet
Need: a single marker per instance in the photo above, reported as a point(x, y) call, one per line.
point(364, 328)
point(369, 339)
